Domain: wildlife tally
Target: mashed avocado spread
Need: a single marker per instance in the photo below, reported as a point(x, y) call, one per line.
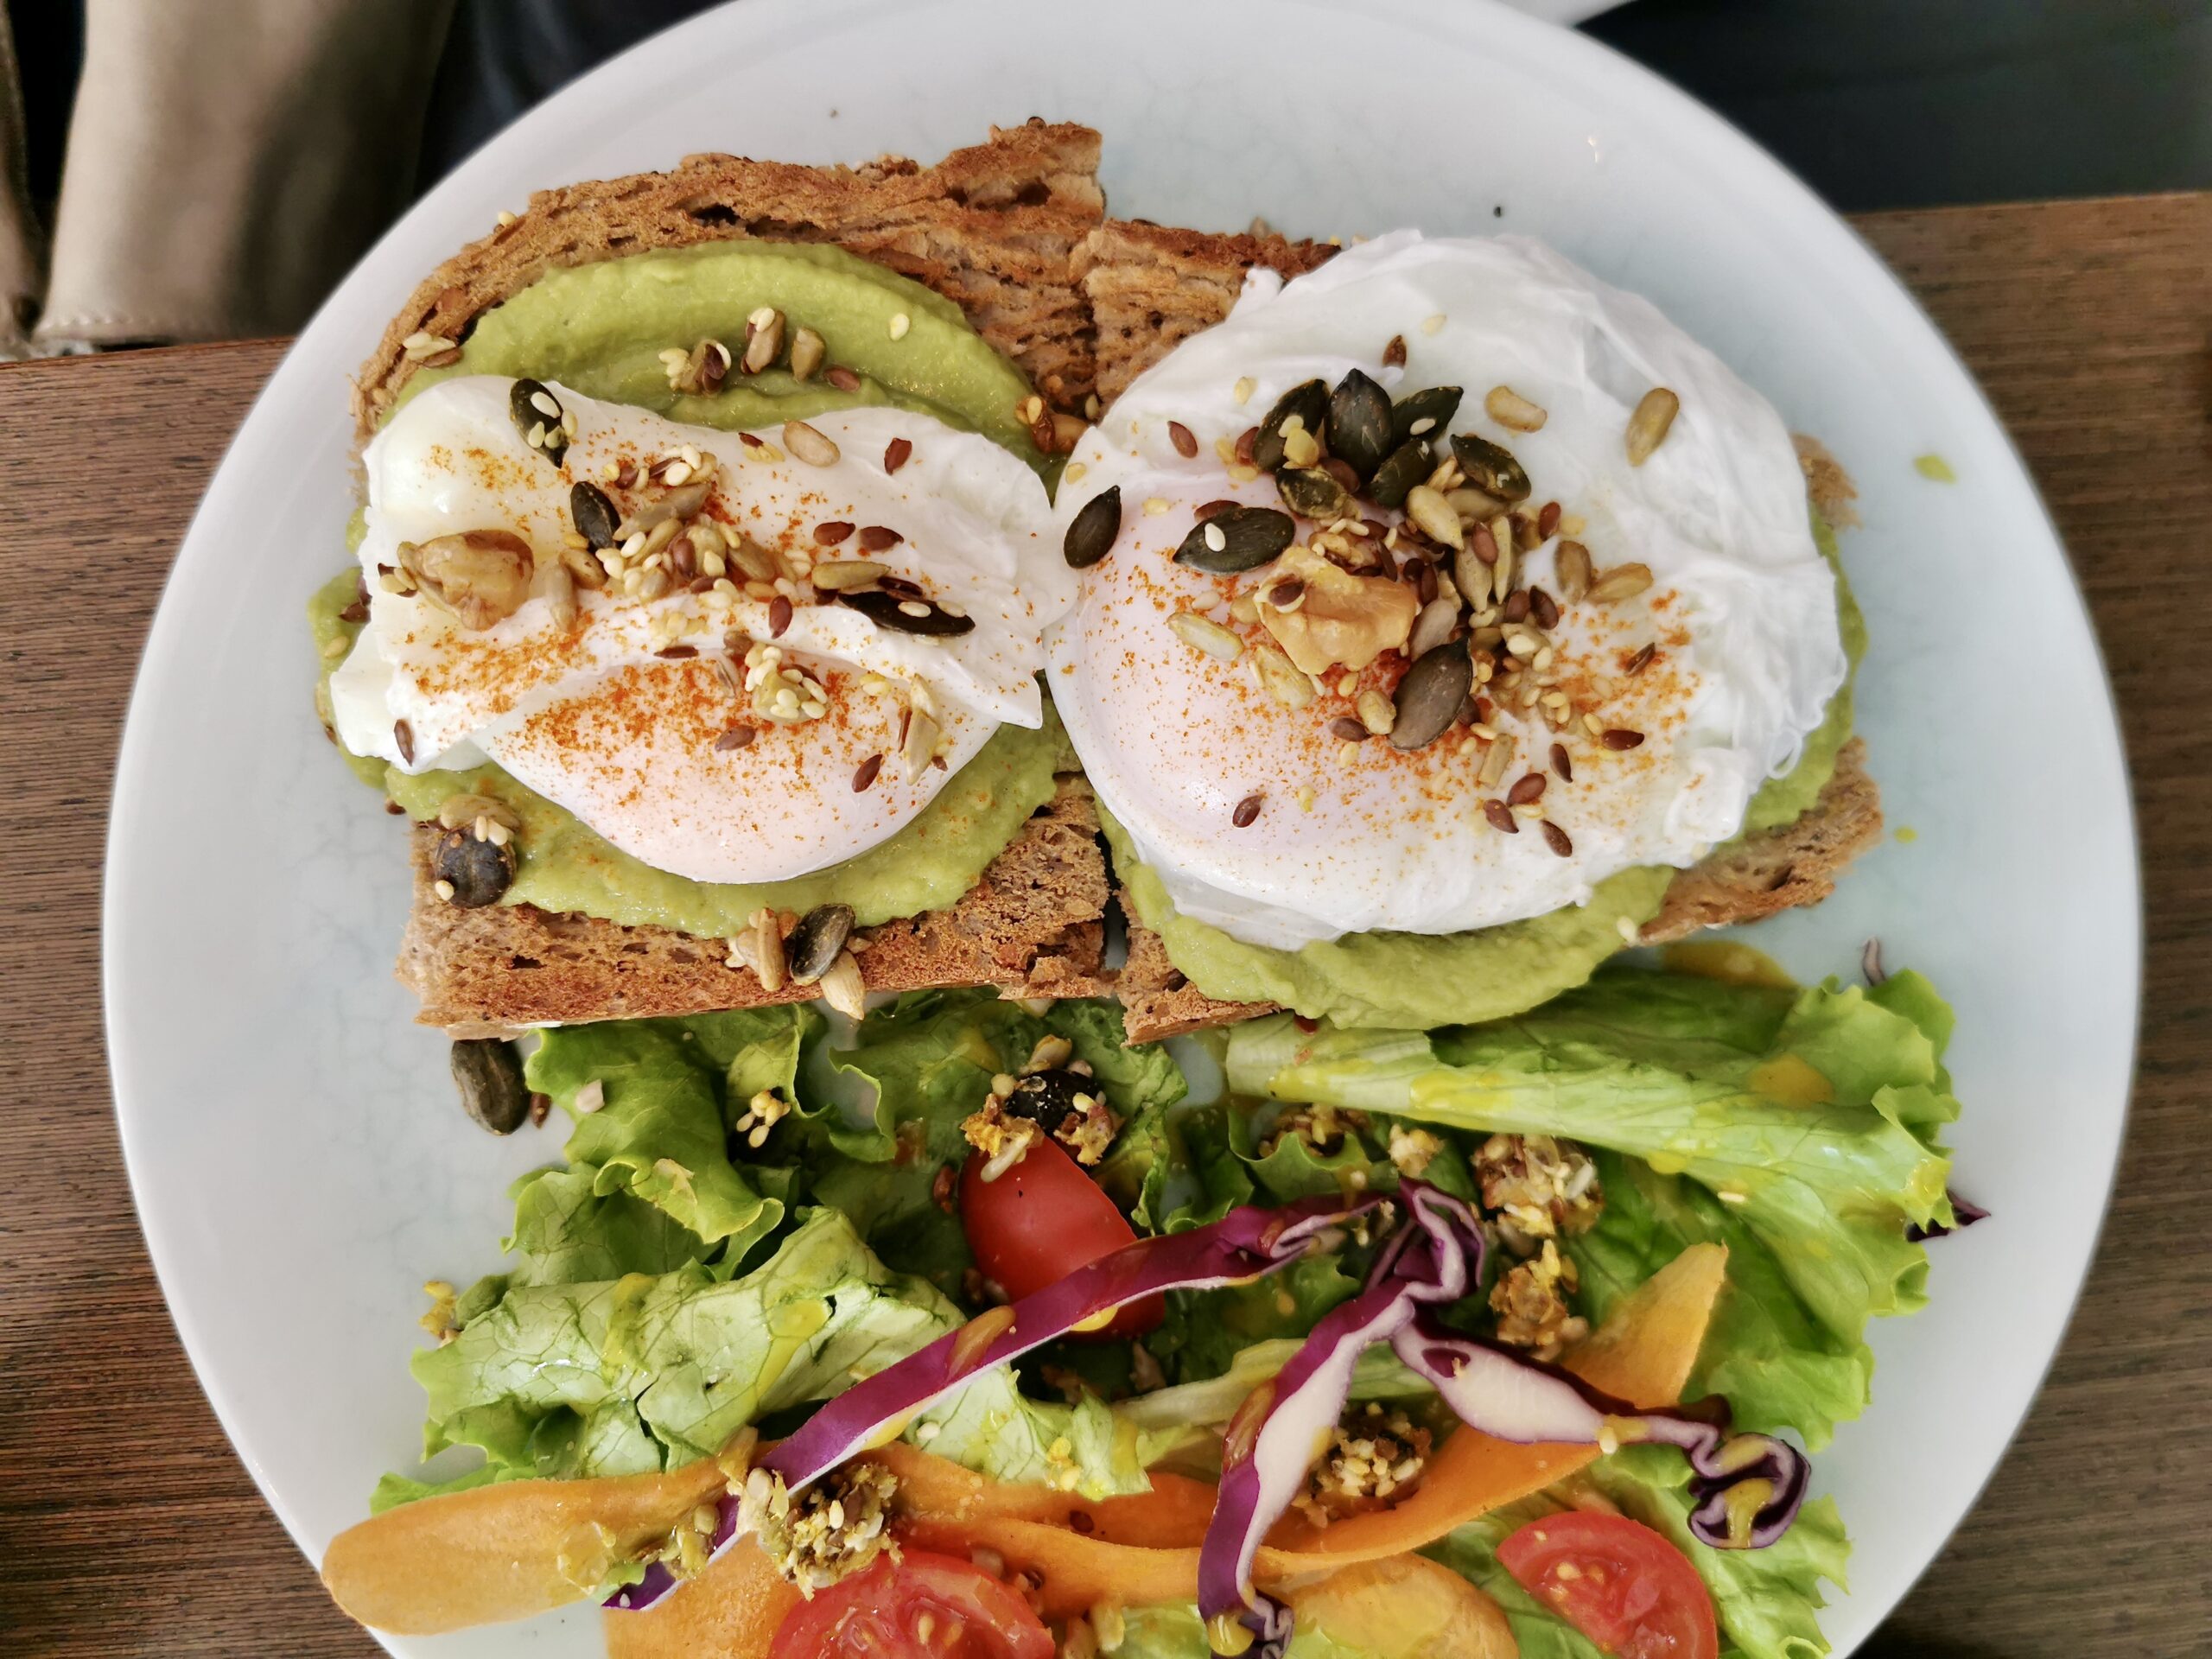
point(599, 329)
point(1418, 980)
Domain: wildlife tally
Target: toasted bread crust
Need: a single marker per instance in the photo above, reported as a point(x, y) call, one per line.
point(992, 227)
point(1031, 926)
point(1151, 286)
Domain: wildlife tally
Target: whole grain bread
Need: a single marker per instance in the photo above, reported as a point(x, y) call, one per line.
point(1150, 287)
point(992, 227)
point(1032, 926)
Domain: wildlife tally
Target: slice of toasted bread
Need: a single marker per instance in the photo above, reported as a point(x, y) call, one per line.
point(992, 227)
point(1031, 926)
point(1150, 287)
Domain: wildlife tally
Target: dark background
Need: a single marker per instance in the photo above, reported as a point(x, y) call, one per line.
point(1875, 103)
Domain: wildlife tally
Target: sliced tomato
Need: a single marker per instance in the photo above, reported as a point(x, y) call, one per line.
point(923, 1606)
point(1041, 1220)
point(1619, 1582)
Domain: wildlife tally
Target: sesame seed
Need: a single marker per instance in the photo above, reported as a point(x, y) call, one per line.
point(1592, 725)
point(900, 322)
point(1431, 324)
point(1243, 390)
point(1215, 538)
point(1627, 929)
point(443, 889)
point(1156, 505)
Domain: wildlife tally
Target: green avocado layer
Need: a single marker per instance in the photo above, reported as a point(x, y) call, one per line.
point(601, 328)
point(1418, 980)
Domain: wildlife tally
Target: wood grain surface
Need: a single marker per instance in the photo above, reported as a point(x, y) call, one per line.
point(127, 1525)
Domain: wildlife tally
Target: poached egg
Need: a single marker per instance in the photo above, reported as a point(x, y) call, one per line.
point(720, 722)
point(1634, 729)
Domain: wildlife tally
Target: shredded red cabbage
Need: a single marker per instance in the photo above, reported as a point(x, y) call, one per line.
point(1247, 1243)
point(1964, 1213)
point(1432, 1261)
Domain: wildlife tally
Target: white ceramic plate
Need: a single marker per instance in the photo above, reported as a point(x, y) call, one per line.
point(294, 1145)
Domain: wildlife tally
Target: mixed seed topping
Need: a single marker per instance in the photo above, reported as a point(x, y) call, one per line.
point(1396, 575)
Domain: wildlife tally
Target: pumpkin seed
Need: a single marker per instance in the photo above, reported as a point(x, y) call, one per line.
point(889, 611)
point(808, 349)
point(813, 945)
point(1489, 467)
point(1622, 581)
point(541, 431)
point(1574, 571)
point(593, 514)
point(1359, 422)
point(1428, 509)
point(489, 1077)
point(1095, 529)
point(1511, 409)
point(1648, 427)
point(1408, 465)
point(1437, 405)
point(1431, 628)
point(1312, 492)
point(479, 872)
point(1309, 402)
point(1429, 696)
point(1243, 538)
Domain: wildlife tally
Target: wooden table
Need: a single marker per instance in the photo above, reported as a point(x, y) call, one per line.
point(127, 1525)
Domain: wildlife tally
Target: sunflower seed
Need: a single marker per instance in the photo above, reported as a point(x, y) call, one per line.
point(813, 447)
point(1431, 628)
point(764, 339)
point(1511, 409)
point(1428, 510)
point(846, 574)
point(1280, 679)
point(1243, 538)
point(1573, 562)
point(1649, 425)
point(1622, 581)
point(1205, 635)
point(768, 950)
point(808, 350)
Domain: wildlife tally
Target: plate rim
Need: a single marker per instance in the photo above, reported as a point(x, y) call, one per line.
point(728, 27)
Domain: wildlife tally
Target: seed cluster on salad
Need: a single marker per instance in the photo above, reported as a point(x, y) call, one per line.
point(1394, 576)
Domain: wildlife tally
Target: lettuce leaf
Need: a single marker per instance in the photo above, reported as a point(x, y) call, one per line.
point(1808, 1114)
point(658, 1132)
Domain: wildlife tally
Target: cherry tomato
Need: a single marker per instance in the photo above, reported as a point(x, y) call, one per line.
point(1619, 1583)
point(924, 1606)
point(1039, 1222)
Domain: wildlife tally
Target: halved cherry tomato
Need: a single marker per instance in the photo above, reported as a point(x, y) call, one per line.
point(924, 1606)
point(1619, 1582)
point(1040, 1221)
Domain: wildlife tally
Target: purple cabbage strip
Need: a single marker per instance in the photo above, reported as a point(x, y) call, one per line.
point(1245, 1244)
point(1435, 1257)
point(1964, 1214)
point(1511, 1396)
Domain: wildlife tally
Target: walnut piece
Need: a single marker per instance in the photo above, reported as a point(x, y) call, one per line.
point(1341, 619)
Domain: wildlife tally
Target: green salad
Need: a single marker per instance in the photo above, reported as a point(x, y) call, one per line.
point(756, 1213)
